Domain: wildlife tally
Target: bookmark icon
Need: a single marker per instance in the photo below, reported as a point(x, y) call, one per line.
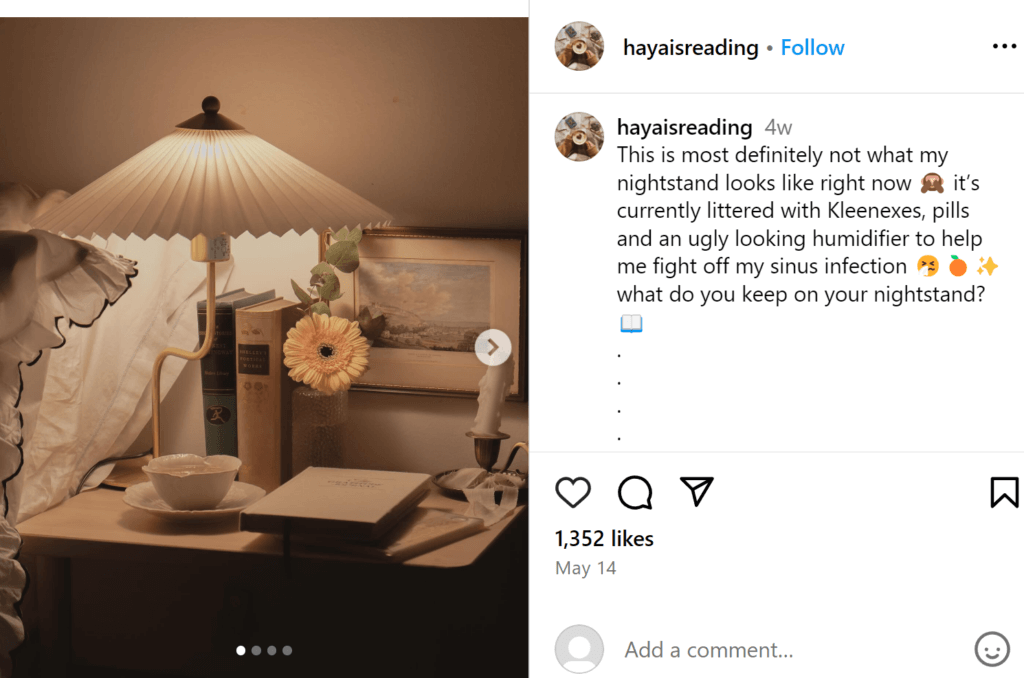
point(698, 487)
point(1007, 488)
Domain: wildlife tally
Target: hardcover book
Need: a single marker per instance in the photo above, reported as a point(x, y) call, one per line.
point(264, 392)
point(220, 409)
point(421, 531)
point(333, 502)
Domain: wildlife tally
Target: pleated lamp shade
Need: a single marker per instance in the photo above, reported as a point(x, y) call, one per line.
point(209, 180)
point(210, 177)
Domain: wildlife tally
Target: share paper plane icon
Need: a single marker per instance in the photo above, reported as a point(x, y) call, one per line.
point(698, 488)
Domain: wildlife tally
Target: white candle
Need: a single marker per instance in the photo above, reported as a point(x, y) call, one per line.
point(494, 388)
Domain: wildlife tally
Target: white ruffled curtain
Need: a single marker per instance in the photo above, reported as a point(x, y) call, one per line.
point(96, 398)
point(43, 278)
point(89, 400)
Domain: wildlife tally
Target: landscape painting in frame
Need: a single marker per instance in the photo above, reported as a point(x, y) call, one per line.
point(422, 296)
point(423, 305)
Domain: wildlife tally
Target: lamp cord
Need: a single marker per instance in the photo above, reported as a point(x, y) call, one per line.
point(107, 461)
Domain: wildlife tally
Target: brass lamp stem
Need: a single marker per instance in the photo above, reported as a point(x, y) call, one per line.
point(211, 325)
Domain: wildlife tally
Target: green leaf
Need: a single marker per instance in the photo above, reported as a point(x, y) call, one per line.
point(322, 267)
point(316, 279)
point(955, 256)
point(321, 308)
point(367, 314)
point(343, 255)
point(371, 326)
point(301, 294)
point(343, 234)
point(330, 289)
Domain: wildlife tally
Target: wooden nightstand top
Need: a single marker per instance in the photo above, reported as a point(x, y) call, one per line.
point(98, 524)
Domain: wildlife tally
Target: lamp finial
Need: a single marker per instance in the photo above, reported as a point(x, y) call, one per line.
point(210, 119)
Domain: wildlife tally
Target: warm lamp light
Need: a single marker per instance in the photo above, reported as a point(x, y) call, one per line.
point(208, 180)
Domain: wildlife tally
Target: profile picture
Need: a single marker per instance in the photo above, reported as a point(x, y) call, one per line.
point(579, 649)
point(579, 136)
point(579, 46)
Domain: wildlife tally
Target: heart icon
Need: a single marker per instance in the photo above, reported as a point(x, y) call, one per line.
point(572, 490)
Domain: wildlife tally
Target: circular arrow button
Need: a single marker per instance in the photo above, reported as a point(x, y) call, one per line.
point(493, 347)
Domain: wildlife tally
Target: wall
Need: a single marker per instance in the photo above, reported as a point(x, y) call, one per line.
point(424, 117)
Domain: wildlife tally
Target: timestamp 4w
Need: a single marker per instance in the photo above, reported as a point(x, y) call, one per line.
point(596, 538)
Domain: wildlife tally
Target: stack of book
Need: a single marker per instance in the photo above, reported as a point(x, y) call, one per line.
point(220, 409)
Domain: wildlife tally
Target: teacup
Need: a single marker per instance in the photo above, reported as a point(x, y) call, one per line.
point(188, 482)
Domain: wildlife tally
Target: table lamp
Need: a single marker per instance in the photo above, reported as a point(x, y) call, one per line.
point(209, 180)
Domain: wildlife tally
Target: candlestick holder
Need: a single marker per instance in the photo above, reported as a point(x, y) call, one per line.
point(486, 448)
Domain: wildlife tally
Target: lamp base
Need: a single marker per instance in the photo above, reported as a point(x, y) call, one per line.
point(211, 330)
point(128, 472)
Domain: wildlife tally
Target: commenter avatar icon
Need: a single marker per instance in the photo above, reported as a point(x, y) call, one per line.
point(579, 649)
point(579, 136)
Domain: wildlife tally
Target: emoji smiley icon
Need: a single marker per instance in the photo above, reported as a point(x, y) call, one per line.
point(932, 182)
point(992, 649)
point(927, 266)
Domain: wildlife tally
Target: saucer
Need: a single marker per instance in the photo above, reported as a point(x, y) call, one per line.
point(461, 496)
point(240, 496)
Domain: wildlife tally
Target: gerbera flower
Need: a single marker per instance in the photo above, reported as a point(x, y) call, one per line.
point(326, 353)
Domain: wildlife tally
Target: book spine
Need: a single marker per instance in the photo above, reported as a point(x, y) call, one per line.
point(259, 401)
point(289, 318)
point(220, 412)
point(264, 395)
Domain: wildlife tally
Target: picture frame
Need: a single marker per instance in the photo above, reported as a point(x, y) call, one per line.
point(437, 288)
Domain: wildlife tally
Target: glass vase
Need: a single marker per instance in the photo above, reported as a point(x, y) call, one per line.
point(319, 421)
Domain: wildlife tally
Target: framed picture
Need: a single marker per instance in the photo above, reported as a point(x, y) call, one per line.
point(429, 292)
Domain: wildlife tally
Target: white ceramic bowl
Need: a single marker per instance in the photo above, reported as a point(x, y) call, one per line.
point(188, 482)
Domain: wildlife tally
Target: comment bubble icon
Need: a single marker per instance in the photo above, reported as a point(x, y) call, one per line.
point(635, 493)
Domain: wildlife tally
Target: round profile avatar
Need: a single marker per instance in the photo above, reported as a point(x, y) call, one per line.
point(579, 46)
point(579, 649)
point(579, 136)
